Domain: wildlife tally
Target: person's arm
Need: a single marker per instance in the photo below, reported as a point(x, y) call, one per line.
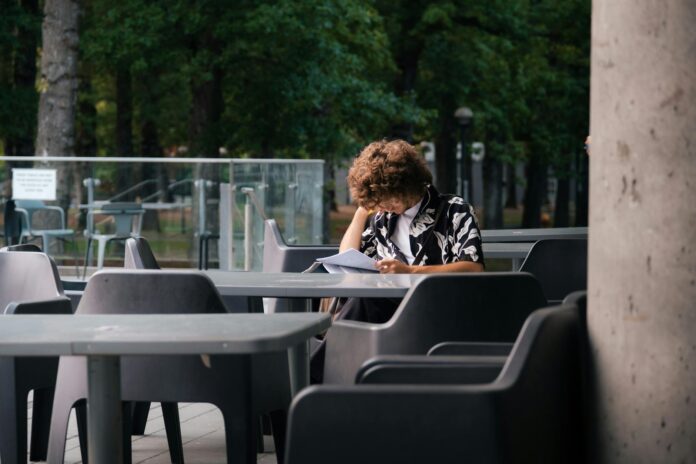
point(353, 235)
point(393, 266)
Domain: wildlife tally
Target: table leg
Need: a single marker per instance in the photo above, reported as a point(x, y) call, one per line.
point(298, 359)
point(516, 263)
point(104, 418)
point(299, 305)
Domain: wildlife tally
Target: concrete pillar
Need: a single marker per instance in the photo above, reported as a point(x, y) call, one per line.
point(642, 251)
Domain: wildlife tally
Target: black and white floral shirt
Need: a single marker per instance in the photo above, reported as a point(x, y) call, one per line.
point(456, 236)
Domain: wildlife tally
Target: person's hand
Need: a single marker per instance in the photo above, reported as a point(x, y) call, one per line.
point(393, 266)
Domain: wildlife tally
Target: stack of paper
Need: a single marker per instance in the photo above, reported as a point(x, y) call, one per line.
point(349, 261)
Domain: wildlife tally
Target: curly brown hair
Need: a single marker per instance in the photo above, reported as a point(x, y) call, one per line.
point(386, 170)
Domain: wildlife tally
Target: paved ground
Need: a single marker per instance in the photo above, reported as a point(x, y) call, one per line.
point(202, 433)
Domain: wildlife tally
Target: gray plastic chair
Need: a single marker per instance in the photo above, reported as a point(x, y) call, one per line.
point(532, 412)
point(139, 255)
point(127, 218)
point(477, 307)
point(29, 284)
point(22, 247)
point(278, 256)
point(172, 379)
point(560, 265)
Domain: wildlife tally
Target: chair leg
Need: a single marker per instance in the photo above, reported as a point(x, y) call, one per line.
point(127, 426)
point(40, 423)
point(141, 409)
point(200, 253)
point(101, 252)
point(172, 425)
point(259, 436)
point(240, 435)
point(13, 424)
point(81, 416)
point(75, 251)
point(89, 246)
point(279, 423)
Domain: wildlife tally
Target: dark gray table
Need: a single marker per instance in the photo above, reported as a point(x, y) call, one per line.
point(515, 244)
point(104, 338)
point(531, 235)
point(313, 285)
point(514, 251)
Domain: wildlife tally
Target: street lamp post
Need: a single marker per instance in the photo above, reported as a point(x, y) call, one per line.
point(464, 116)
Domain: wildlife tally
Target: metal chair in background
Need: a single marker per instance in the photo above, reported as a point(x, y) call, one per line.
point(33, 215)
point(127, 218)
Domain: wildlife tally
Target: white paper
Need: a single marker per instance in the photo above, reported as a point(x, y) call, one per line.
point(33, 184)
point(350, 260)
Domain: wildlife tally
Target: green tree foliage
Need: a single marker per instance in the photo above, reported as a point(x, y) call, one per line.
point(520, 65)
point(20, 25)
point(298, 78)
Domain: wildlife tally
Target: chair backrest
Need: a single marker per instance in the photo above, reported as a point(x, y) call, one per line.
point(30, 205)
point(279, 257)
point(126, 216)
point(28, 276)
point(12, 223)
point(22, 247)
point(560, 265)
point(150, 292)
point(543, 378)
point(139, 255)
point(480, 307)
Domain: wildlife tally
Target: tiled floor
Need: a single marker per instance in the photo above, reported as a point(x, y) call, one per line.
point(202, 433)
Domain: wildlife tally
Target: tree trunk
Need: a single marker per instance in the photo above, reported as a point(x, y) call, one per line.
point(511, 186)
point(534, 195)
point(85, 138)
point(561, 215)
point(127, 175)
point(493, 193)
point(204, 125)
point(445, 158)
point(56, 119)
point(150, 147)
point(582, 194)
point(206, 112)
point(25, 83)
point(404, 85)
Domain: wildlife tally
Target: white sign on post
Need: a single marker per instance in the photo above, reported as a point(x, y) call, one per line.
point(33, 184)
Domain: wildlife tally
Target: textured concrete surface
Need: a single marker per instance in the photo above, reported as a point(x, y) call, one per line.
point(642, 253)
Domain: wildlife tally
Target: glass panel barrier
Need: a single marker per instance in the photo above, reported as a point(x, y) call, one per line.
point(181, 199)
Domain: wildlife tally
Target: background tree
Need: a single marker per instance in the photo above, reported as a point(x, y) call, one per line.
point(58, 87)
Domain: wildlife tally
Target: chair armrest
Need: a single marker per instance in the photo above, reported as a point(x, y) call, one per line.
point(348, 345)
point(429, 370)
point(470, 349)
point(374, 424)
point(58, 305)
